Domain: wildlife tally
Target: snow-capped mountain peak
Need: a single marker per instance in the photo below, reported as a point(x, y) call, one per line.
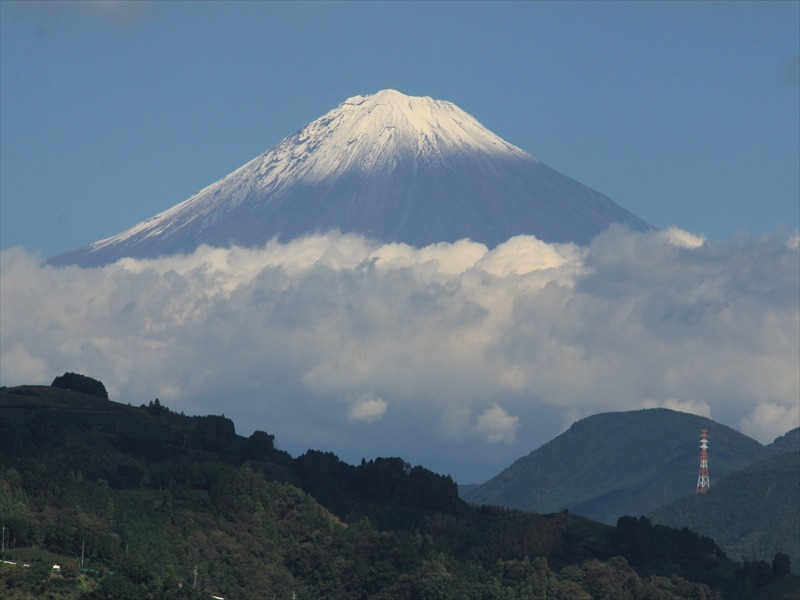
point(388, 166)
point(366, 133)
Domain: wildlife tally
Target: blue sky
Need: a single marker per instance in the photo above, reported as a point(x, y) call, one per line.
point(684, 113)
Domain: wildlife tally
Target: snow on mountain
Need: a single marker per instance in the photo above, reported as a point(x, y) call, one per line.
point(388, 166)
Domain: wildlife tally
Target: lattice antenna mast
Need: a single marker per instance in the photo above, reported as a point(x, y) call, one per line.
point(703, 484)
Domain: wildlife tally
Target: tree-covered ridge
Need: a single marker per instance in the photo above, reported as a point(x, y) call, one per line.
point(788, 442)
point(80, 383)
point(613, 464)
point(753, 512)
point(164, 505)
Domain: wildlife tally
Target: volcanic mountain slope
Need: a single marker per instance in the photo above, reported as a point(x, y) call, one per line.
point(388, 166)
point(615, 464)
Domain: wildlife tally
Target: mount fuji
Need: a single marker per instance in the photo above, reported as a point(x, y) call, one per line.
point(391, 167)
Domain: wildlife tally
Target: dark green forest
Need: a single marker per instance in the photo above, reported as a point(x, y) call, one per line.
point(750, 512)
point(143, 502)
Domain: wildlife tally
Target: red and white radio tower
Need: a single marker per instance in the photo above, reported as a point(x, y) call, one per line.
point(703, 484)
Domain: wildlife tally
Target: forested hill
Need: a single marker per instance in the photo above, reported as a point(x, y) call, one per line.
point(752, 512)
point(788, 442)
point(613, 464)
point(141, 502)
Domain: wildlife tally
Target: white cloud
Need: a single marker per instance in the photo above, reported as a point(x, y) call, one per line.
point(446, 259)
point(769, 420)
point(367, 409)
point(26, 367)
point(446, 335)
point(682, 239)
point(524, 254)
point(496, 425)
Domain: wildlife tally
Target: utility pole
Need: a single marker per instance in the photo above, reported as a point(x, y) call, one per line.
point(703, 484)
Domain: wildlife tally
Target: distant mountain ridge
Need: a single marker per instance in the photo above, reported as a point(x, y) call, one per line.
point(388, 166)
point(615, 464)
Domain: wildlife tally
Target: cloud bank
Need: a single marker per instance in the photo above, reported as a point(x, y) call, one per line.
point(453, 356)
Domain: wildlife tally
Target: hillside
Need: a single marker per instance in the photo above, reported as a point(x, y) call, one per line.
point(615, 464)
point(788, 442)
point(752, 513)
point(141, 502)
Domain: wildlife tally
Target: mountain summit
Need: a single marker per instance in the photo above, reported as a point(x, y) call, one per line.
point(391, 167)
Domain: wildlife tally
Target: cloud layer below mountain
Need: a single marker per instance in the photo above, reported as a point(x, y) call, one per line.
point(452, 356)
